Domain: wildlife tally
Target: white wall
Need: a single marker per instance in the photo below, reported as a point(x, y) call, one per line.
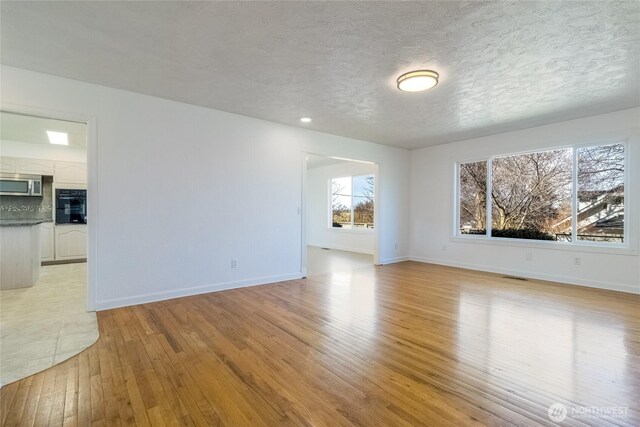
point(219, 186)
point(179, 190)
point(432, 205)
point(42, 151)
point(318, 231)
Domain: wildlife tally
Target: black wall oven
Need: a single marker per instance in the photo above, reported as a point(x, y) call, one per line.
point(71, 206)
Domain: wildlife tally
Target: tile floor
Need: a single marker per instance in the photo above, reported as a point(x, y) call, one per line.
point(45, 324)
point(320, 261)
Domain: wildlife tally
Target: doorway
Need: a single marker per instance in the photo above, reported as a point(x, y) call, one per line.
point(340, 227)
point(46, 316)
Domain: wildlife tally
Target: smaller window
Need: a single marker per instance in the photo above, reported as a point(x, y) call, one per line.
point(601, 193)
point(352, 202)
point(473, 198)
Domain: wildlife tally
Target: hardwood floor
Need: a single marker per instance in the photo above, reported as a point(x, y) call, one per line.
point(403, 344)
point(324, 260)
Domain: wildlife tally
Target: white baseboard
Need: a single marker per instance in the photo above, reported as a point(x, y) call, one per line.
point(394, 260)
point(530, 275)
point(165, 295)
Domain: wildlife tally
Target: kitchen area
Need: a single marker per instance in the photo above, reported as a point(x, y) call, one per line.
point(43, 244)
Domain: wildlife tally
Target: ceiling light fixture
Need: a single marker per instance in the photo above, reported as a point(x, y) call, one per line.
point(417, 81)
point(305, 119)
point(58, 138)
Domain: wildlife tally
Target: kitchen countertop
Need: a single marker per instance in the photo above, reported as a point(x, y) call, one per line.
point(21, 222)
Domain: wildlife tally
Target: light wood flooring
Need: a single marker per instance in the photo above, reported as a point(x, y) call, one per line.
point(324, 260)
point(402, 344)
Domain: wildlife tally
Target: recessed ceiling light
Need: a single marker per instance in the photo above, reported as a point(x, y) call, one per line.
point(305, 119)
point(58, 138)
point(417, 81)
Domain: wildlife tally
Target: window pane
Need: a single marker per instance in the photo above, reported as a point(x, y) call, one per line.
point(363, 201)
point(531, 196)
point(363, 186)
point(601, 193)
point(341, 202)
point(473, 197)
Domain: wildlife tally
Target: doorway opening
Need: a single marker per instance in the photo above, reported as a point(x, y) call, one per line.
point(45, 308)
point(340, 227)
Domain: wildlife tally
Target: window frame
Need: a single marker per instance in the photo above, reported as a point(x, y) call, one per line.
point(330, 206)
point(629, 244)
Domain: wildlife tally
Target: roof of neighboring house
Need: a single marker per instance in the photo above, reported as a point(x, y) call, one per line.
point(584, 196)
point(613, 222)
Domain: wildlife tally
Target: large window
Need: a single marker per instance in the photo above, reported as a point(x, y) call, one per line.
point(352, 202)
point(563, 195)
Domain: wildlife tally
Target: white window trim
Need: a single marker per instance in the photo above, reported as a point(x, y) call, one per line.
point(628, 247)
point(330, 205)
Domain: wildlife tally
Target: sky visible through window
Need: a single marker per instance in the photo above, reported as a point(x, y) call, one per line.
point(344, 186)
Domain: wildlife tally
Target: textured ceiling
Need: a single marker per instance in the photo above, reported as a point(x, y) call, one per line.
point(503, 66)
point(22, 128)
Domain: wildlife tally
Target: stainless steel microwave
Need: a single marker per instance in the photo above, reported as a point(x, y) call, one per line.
point(20, 185)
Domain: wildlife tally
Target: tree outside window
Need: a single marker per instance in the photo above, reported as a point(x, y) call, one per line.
point(531, 195)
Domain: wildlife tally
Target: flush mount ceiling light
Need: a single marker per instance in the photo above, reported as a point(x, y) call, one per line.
point(417, 81)
point(305, 119)
point(58, 138)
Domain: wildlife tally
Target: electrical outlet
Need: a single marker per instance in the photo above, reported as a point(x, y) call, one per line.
point(577, 260)
point(234, 263)
point(396, 246)
point(444, 247)
point(528, 256)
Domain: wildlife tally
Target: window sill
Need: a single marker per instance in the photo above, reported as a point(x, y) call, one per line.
point(559, 246)
point(366, 231)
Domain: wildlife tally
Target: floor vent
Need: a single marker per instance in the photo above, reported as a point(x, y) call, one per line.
point(515, 278)
point(325, 249)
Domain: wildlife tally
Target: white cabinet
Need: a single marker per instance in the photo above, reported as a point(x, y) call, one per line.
point(63, 172)
point(70, 173)
point(47, 253)
point(71, 242)
point(7, 165)
point(34, 166)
